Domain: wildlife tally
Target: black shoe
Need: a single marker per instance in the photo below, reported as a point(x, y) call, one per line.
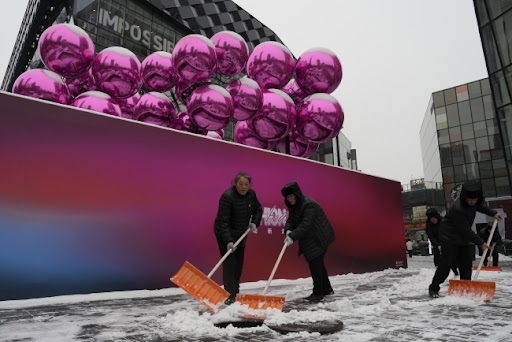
point(230, 300)
point(433, 294)
point(329, 292)
point(314, 298)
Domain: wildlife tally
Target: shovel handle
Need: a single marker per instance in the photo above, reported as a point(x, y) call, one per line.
point(229, 252)
point(488, 243)
point(275, 268)
point(490, 256)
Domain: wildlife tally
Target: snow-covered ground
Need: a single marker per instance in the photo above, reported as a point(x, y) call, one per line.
point(390, 305)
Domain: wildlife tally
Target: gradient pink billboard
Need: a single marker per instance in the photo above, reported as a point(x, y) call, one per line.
point(93, 203)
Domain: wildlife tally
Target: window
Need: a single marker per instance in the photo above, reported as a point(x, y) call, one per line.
point(488, 187)
point(500, 89)
point(449, 96)
point(459, 172)
point(470, 153)
point(486, 169)
point(499, 167)
point(443, 137)
point(455, 134)
point(474, 89)
point(496, 147)
point(467, 132)
point(488, 107)
point(477, 109)
point(452, 114)
point(464, 113)
point(472, 171)
point(492, 127)
point(462, 93)
point(480, 129)
point(448, 175)
point(457, 153)
point(445, 152)
point(486, 87)
point(441, 120)
point(482, 146)
point(438, 99)
point(502, 186)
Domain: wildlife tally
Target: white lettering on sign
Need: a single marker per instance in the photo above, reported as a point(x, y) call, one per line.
point(274, 217)
point(119, 25)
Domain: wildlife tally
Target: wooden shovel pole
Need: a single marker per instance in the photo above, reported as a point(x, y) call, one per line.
point(488, 243)
point(228, 253)
point(275, 268)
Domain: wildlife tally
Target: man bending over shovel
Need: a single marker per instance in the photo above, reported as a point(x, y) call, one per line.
point(457, 237)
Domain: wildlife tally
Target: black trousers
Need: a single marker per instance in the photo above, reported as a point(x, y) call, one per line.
point(451, 255)
point(232, 268)
point(494, 256)
point(321, 283)
point(437, 255)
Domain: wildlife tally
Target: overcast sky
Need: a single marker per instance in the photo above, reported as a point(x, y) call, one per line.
point(394, 54)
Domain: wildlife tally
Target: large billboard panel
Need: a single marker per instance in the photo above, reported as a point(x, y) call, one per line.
point(92, 203)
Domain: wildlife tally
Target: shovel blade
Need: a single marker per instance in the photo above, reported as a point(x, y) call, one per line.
point(472, 289)
point(261, 302)
point(199, 286)
point(488, 268)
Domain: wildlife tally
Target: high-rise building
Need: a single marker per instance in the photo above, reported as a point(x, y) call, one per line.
point(495, 26)
point(460, 141)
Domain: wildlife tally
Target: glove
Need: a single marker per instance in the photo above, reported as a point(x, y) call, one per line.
point(231, 246)
point(288, 232)
point(288, 240)
point(252, 226)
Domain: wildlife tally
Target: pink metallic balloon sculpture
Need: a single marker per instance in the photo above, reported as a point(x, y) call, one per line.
point(299, 146)
point(81, 83)
point(194, 58)
point(184, 123)
point(214, 135)
point(247, 98)
point(42, 84)
point(66, 49)
point(210, 107)
point(243, 134)
point(318, 70)
point(98, 102)
point(117, 72)
point(232, 52)
point(157, 72)
point(128, 105)
point(276, 117)
point(319, 118)
point(155, 108)
point(295, 92)
point(271, 65)
point(184, 89)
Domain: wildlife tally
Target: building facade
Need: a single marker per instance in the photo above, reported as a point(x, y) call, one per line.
point(461, 141)
point(144, 27)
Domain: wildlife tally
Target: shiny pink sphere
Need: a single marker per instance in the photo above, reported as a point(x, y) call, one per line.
point(183, 122)
point(276, 117)
point(271, 65)
point(295, 92)
point(243, 134)
point(318, 70)
point(247, 98)
point(117, 72)
point(319, 118)
point(194, 58)
point(98, 102)
point(157, 72)
point(66, 49)
point(42, 84)
point(232, 52)
point(299, 146)
point(210, 107)
point(154, 108)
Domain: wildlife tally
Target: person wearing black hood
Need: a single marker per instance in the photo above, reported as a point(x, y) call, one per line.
point(433, 223)
point(308, 224)
point(239, 209)
point(456, 236)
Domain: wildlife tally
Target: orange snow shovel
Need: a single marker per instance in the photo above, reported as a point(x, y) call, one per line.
point(488, 267)
point(200, 286)
point(474, 288)
point(263, 302)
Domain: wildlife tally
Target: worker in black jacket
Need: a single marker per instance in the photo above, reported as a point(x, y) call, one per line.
point(457, 237)
point(239, 209)
point(495, 241)
point(433, 222)
point(308, 224)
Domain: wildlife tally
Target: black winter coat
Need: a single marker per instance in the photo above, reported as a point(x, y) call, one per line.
point(496, 237)
point(308, 224)
point(455, 228)
point(234, 215)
